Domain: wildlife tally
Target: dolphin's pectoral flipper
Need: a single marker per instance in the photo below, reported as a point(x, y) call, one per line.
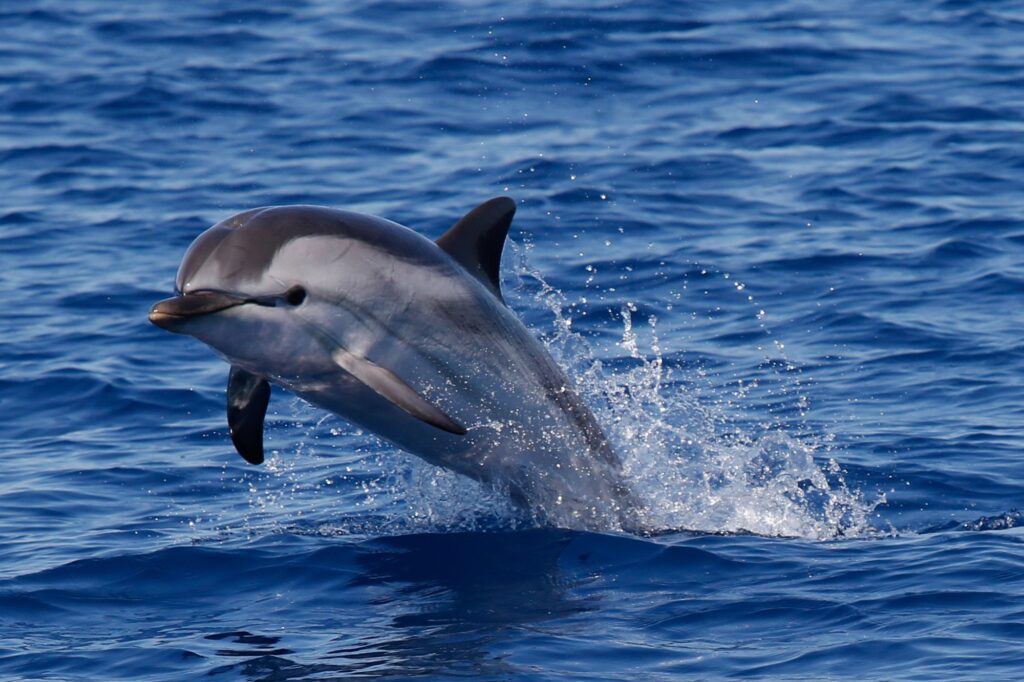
point(476, 241)
point(248, 396)
point(389, 386)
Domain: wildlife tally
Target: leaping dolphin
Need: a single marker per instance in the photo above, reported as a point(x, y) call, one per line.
point(401, 335)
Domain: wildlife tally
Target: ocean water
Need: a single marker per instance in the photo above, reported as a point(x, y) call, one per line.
point(778, 246)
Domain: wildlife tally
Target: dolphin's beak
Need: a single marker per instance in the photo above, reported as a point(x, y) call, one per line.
point(172, 313)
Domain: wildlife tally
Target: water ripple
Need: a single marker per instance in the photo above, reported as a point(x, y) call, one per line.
point(778, 247)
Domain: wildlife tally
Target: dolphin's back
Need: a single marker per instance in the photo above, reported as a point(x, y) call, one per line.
point(245, 245)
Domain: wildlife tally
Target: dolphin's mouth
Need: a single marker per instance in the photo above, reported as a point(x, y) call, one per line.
point(170, 313)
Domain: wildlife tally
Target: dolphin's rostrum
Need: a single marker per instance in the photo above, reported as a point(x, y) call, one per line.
point(404, 336)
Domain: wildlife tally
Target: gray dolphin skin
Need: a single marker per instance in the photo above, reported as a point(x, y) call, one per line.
point(401, 335)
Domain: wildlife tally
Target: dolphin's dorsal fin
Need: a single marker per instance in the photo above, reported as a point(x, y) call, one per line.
point(476, 241)
point(248, 396)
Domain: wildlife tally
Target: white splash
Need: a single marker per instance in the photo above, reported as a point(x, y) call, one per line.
point(702, 464)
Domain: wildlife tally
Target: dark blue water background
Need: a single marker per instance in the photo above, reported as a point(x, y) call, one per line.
point(778, 245)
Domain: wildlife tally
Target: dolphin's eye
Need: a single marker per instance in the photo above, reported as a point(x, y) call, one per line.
point(296, 295)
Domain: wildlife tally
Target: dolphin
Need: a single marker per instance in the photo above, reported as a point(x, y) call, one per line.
point(406, 337)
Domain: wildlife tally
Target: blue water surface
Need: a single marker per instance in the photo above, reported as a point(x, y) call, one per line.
point(778, 245)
